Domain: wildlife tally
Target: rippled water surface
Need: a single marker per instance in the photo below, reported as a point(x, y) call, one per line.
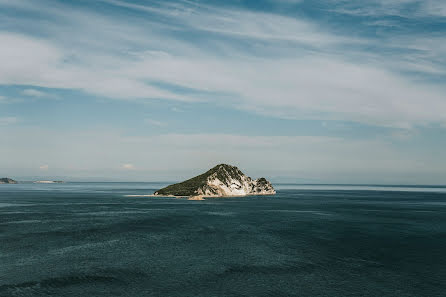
point(88, 239)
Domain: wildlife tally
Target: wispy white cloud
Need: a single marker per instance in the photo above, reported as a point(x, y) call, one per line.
point(401, 8)
point(154, 122)
point(176, 109)
point(34, 93)
point(243, 24)
point(4, 121)
point(9, 100)
point(435, 7)
point(320, 74)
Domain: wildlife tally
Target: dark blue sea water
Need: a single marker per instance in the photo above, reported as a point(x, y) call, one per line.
point(88, 239)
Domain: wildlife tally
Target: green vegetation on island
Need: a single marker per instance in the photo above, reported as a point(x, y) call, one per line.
point(190, 186)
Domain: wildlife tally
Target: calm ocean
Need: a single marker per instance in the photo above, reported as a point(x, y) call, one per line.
point(88, 239)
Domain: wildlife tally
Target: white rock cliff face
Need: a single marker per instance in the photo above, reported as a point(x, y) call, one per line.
point(226, 183)
point(235, 187)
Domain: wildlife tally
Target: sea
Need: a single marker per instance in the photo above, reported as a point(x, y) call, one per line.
point(91, 239)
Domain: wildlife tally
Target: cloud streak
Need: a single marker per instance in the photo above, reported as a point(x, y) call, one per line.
point(5, 121)
point(154, 122)
point(400, 8)
point(34, 93)
point(262, 62)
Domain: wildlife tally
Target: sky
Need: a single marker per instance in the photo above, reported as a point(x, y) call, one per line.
point(320, 91)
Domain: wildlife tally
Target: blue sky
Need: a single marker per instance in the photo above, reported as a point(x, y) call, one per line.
point(326, 91)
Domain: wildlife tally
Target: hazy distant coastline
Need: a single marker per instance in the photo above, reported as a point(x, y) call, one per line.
point(7, 180)
point(48, 182)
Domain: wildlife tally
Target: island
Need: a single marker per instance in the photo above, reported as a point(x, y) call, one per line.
point(49, 182)
point(221, 181)
point(6, 180)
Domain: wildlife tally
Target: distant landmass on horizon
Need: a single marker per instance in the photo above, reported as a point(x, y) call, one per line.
point(7, 180)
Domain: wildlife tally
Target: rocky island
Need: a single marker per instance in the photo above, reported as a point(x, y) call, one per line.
point(6, 180)
point(221, 181)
